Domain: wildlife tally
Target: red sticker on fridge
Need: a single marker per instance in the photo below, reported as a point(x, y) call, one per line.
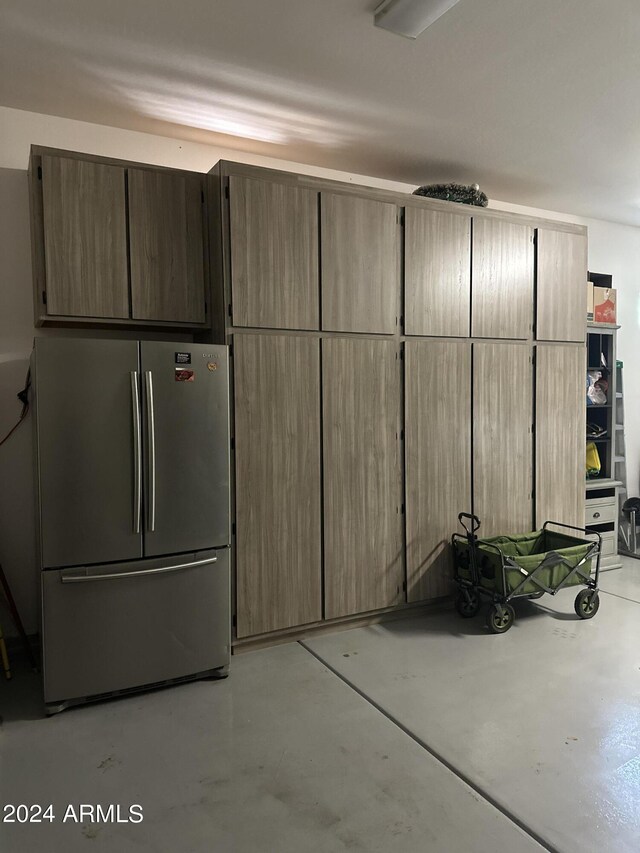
point(183, 375)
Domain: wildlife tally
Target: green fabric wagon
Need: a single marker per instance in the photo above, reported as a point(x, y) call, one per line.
point(528, 565)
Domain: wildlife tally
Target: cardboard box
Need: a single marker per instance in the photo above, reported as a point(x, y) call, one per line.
point(589, 301)
point(604, 305)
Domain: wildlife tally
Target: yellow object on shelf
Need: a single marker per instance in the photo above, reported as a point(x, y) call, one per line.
point(593, 460)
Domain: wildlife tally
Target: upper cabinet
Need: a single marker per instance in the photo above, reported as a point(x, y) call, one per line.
point(166, 244)
point(502, 279)
point(116, 243)
point(561, 286)
point(274, 254)
point(437, 273)
point(85, 238)
point(360, 264)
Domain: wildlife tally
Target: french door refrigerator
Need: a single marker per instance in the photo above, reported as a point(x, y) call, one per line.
point(132, 464)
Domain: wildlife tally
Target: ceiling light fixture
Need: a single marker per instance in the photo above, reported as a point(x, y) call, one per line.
point(410, 17)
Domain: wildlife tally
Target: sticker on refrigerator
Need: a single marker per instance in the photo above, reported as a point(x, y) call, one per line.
point(212, 365)
point(183, 375)
point(183, 358)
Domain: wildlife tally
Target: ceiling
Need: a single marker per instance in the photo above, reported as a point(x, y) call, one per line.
point(538, 102)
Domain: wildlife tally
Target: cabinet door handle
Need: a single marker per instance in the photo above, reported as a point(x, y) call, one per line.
point(596, 515)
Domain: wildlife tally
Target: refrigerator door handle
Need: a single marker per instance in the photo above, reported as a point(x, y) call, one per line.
point(75, 578)
point(151, 451)
point(137, 452)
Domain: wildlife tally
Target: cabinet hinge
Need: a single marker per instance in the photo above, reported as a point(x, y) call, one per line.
point(44, 297)
point(234, 621)
point(39, 173)
point(229, 309)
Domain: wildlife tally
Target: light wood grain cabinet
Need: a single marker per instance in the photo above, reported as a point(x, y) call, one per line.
point(502, 438)
point(274, 254)
point(437, 273)
point(277, 482)
point(560, 440)
point(502, 279)
point(438, 459)
point(360, 246)
point(85, 238)
point(114, 243)
point(561, 285)
point(166, 245)
point(363, 559)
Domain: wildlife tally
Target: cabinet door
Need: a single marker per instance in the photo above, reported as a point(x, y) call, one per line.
point(360, 277)
point(277, 454)
point(502, 438)
point(560, 442)
point(561, 286)
point(438, 459)
point(85, 238)
point(274, 255)
point(437, 273)
point(502, 276)
point(166, 246)
point(362, 476)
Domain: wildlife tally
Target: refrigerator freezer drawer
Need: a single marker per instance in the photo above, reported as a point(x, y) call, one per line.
point(122, 626)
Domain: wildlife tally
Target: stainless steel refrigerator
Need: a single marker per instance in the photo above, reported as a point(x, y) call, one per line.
point(132, 465)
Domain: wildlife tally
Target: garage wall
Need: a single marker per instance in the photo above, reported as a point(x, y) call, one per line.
point(612, 248)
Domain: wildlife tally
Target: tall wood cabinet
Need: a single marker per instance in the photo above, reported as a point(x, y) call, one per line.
point(277, 483)
point(363, 566)
point(117, 243)
point(438, 458)
point(396, 360)
point(503, 437)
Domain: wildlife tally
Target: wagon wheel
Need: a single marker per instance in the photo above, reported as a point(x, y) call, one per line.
point(467, 603)
point(498, 622)
point(587, 603)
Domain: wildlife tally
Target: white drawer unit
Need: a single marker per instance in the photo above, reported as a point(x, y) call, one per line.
point(601, 515)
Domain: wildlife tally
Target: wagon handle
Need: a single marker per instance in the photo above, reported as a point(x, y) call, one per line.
point(475, 522)
point(585, 530)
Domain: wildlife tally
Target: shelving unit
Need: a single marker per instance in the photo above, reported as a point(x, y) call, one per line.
point(601, 492)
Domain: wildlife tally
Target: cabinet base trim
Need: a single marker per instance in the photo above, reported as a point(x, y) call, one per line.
point(292, 635)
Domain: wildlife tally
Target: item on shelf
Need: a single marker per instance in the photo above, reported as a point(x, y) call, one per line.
point(593, 464)
point(590, 287)
point(604, 304)
point(596, 388)
point(595, 431)
point(461, 193)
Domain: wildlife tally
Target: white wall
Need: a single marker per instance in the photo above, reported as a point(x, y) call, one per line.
point(612, 248)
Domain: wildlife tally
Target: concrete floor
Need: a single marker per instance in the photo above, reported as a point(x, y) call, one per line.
point(422, 735)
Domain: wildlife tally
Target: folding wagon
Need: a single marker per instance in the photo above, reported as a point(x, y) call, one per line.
point(529, 565)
